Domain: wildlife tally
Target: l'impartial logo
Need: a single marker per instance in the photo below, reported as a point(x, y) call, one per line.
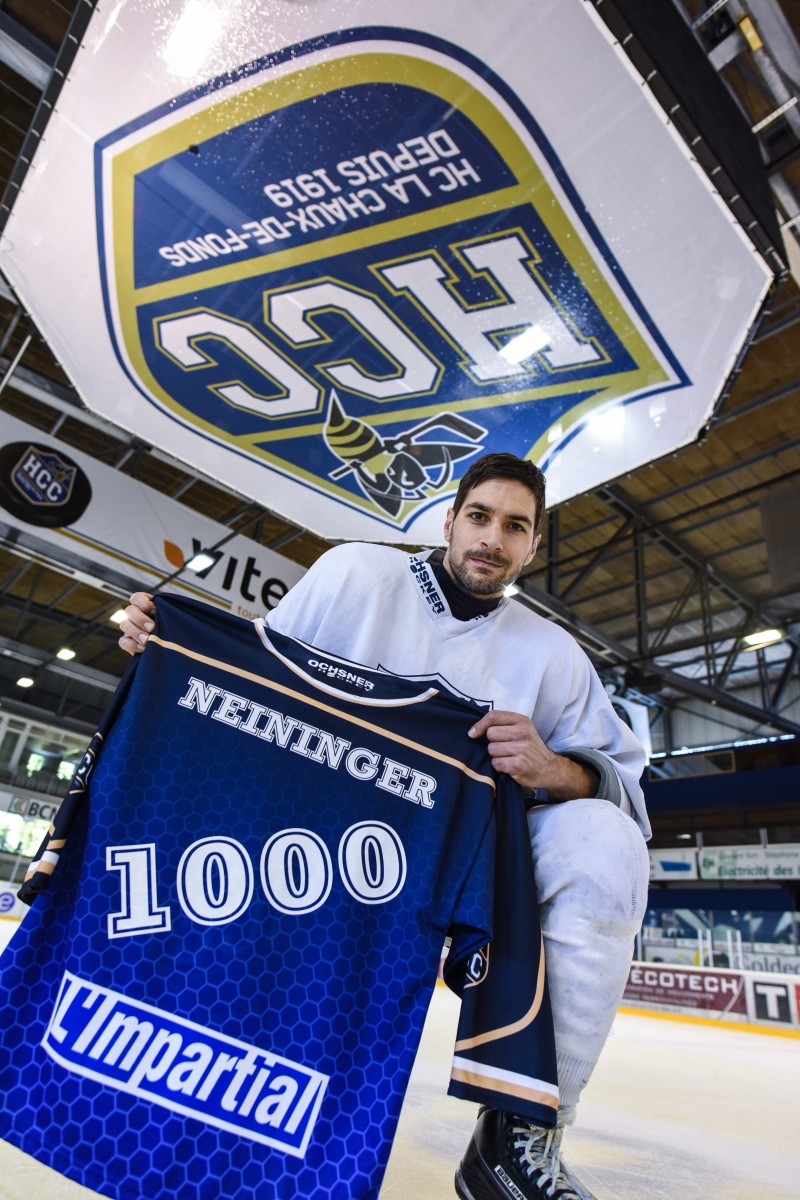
point(187, 1068)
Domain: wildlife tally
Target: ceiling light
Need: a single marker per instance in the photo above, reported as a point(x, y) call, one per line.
point(525, 344)
point(25, 681)
point(684, 837)
point(65, 654)
point(764, 637)
point(118, 617)
point(200, 561)
point(511, 590)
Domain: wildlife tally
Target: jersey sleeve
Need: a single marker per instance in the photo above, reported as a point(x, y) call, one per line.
point(37, 878)
point(588, 721)
point(471, 926)
point(505, 1054)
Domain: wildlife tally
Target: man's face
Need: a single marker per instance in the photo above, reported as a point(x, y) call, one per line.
point(491, 537)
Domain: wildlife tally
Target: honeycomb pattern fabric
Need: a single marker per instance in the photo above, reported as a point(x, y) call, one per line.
point(327, 1001)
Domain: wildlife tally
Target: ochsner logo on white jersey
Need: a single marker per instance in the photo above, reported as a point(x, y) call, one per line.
point(182, 1066)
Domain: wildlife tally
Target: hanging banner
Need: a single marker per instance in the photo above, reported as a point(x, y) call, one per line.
point(330, 260)
point(102, 527)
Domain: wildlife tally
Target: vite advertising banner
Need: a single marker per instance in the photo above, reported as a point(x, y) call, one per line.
point(63, 507)
point(331, 251)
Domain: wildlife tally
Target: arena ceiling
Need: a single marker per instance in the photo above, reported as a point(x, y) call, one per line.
point(660, 575)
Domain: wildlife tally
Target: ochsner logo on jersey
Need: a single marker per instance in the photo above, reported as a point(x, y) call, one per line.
point(357, 265)
point(184, 1067)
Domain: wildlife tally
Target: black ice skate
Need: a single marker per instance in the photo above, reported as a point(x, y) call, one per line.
point(510, 1159)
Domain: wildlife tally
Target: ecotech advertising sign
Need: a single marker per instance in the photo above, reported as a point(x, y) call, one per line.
point(63, 507)
point(743, 997)
point(331, 251)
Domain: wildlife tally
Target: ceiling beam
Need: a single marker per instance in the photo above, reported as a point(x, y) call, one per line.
point(607, 650)
point(786, 675)
point(599, 556)
point(24, 53)
point(620, 502)
point(50, 93)
point(79, 625)
point(780, 393)
point(42, 660)
point(766, 331)
point(664, 522)
point(48, 716)
point(739, 465)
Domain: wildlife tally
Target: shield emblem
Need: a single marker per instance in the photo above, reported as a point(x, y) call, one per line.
point(42, 486)
point(359, 263)
point(43, 477)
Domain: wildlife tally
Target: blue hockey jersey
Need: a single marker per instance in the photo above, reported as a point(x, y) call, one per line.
point(222, 988)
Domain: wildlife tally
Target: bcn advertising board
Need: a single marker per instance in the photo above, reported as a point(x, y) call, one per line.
point(330, 252)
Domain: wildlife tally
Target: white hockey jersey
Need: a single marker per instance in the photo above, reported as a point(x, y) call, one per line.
point(381, 607)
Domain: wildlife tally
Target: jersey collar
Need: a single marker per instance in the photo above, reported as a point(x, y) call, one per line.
point(433, 598)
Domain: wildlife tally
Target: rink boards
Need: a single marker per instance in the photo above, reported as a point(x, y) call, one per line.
point(744, 997)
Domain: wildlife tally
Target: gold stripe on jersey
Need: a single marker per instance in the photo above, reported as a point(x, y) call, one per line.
point(353, 720)
point(489, 1084)
point(494, 1035)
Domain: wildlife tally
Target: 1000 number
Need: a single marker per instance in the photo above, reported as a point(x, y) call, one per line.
point(215, 878)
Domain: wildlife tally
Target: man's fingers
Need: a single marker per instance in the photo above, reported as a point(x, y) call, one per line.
point(138, 623)
point(507, 733)
point(491, 719)
point(135, 623)
point(480, 727)
point(144, 602)
point(505, 749)
point(130, 646)
point(140, 617)
point(508, 766)
point(135, 632)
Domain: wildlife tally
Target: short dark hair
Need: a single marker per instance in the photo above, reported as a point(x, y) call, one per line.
point(504, 466)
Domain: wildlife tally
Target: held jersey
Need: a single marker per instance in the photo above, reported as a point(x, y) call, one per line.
point(222, 988)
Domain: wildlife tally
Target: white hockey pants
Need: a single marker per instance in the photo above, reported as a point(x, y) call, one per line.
point(592, 872)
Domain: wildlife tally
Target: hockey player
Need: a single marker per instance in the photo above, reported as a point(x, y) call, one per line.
point(552, 728)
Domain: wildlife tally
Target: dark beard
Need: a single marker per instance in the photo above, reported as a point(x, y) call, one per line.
point(477, 585)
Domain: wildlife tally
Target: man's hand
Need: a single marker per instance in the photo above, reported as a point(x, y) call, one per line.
point(139, 623)
point(518, 751)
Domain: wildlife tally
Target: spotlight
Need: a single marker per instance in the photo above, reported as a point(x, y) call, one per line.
point(65, 654)
point(118, 617)
point(25, 681)
point(511, 590)
point(200, 561)
point(764, 637)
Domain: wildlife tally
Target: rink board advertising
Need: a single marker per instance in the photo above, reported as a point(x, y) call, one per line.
point(749, 997)
point(335, 271)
